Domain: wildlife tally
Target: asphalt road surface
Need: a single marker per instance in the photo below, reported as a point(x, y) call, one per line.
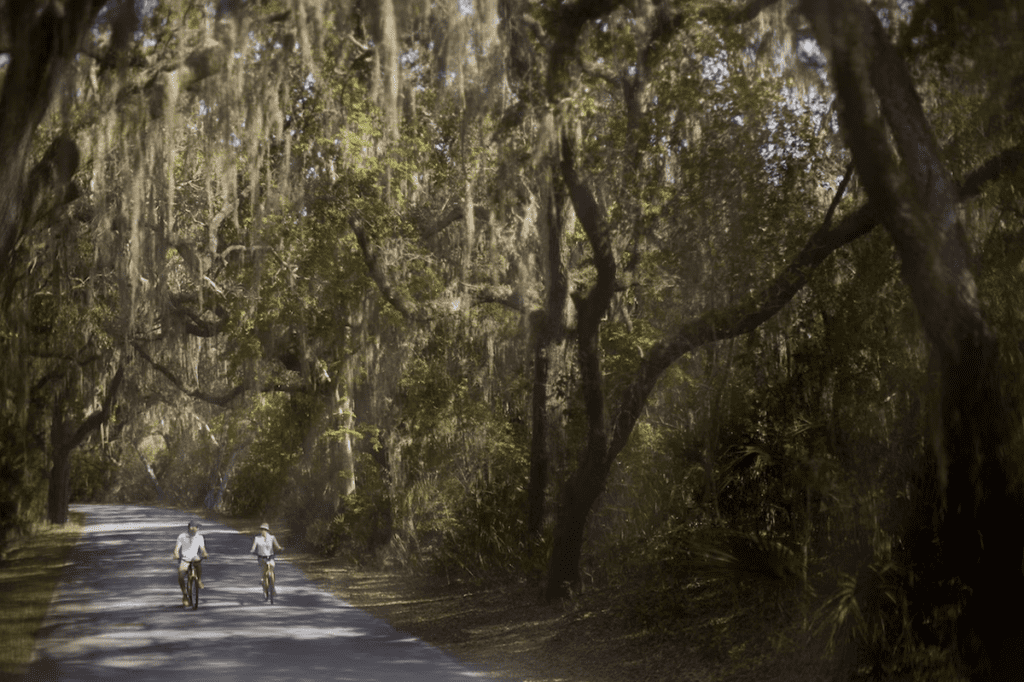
point(117, 615)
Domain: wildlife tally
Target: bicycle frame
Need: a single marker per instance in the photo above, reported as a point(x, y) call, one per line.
point(267, 576)
point(192, 584)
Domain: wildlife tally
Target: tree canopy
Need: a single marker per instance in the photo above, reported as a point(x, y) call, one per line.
point(516, 286)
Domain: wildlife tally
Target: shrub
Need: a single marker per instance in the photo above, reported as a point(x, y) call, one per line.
point(869, 623)
point(483, 529)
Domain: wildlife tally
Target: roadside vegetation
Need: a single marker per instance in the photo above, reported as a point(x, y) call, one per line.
point(29, 571)
point(725, 623)
point(717, 629)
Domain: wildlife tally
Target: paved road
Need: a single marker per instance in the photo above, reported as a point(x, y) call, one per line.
point(117, 616)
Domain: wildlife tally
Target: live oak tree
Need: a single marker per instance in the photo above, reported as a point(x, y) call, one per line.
point(612, 414)
point(934, 256)
point(609, 433)
point(30, 192)
point(434, 262)
point(106, 86)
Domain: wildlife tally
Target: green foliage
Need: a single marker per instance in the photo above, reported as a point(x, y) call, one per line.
point(356, 527)
point(361, 529)
point(624, 346)
point(188, 472)
point(686, 568)
point(262, 477)
point(872, 610)
point(871, 614)
point(482, 528)
point(94, 472)
point(22, 483)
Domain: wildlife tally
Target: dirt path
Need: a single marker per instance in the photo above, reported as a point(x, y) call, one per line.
point(118, 615)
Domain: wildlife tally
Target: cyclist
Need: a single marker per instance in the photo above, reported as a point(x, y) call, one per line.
point(189, 547)
point(264, 546)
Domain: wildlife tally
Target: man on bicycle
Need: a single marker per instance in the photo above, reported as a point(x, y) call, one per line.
point(264, 547)
point(188, 548)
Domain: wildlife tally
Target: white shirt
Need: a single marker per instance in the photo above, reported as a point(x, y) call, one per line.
point(265, 546)
point(189, 545)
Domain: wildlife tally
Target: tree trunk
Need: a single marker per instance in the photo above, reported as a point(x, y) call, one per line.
point(61, 446)
point(981, 519)
point(537, 485)
point(547, 438)
point(64, 438)
point(548, 326)
point(348, 419)
point(575, 502)
point(583, 487)
point(45, 43)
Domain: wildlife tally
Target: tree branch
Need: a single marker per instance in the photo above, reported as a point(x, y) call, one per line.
point(402, 304)
point(195, 324)
point(592, 308)
point(1003, 163)
point(455, 213)
point(221, 400)
point(749, 314)
point(501, 295)
point(750, 11)
point(99, 417)
point(600, 71)
point(567, 23)
point(595, 225)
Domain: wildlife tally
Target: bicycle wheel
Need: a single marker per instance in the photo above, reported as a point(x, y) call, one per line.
point(193, 590)
point(270, 585)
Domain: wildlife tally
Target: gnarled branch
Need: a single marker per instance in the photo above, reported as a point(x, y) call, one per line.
point(223, 399)
point(749, 314)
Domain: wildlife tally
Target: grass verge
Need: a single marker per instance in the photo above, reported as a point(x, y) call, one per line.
point(28, 575)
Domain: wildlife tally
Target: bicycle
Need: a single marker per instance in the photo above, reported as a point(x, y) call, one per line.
point(192, 584)
point(267, 580)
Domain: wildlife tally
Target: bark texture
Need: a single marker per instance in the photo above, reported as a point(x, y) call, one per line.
point(44, 45)
point(980, 517)
point(548, 400)
point(64, 438)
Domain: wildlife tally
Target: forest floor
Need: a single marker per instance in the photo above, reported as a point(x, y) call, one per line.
point(508, 630)
point(505, 628)
point(597, 636)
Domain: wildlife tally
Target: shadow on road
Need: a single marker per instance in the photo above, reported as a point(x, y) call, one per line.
point(117, 616)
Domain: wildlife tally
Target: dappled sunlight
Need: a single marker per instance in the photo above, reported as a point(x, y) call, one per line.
point(119, 610)
point(128, 527)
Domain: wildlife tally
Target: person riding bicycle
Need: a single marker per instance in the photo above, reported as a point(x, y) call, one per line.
point(264, 546)
point(188, 548)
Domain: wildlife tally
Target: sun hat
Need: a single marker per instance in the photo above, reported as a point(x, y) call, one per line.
point(265, 526)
